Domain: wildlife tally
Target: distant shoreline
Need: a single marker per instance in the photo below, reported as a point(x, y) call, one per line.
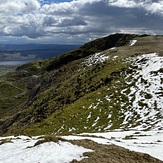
point(13, 63)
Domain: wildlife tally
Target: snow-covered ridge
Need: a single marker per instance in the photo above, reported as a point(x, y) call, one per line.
point(132, 42)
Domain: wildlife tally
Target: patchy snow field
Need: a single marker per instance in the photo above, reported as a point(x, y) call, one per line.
point(145, 133)
point(146, 92)
point(17, 151)
point(95, 58)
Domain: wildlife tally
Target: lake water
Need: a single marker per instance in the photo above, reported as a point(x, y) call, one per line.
point(12, 63)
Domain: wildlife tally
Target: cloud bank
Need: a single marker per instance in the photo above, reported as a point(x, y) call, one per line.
point(77, 21)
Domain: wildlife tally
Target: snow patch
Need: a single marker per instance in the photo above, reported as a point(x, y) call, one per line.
point(113, 48)
point(132, 42)
point(89, 116)
point(95, 58)
point(17, 151)
point(95, 122)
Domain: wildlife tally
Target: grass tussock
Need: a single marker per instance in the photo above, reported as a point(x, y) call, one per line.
point(48, 138)
point(4, 141)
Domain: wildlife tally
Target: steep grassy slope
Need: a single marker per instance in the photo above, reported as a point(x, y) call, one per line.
point(89, 89)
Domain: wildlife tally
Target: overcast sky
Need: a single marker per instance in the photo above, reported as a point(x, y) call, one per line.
point(76, 21)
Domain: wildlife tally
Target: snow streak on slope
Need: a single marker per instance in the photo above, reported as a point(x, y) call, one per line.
point(132, 42)
point(146, 92)
point(17, 151)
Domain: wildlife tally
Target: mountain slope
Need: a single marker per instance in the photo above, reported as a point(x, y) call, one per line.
point(115, 82)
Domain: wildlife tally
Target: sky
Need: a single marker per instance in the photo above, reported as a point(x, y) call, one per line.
point(76, 21)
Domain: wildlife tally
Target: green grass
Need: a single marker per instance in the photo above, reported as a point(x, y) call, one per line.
point(73, 118)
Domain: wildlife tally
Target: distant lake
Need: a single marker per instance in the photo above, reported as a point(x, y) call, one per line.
point(12, 63)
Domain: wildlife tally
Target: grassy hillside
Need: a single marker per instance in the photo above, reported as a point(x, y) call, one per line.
point(85, 90)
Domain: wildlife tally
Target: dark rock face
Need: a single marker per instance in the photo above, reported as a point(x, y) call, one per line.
point(32, 82)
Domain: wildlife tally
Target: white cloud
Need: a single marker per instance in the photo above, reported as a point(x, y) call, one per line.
point(155, 8)
point(137, 30)
point(84, 20)
point(123, 3)
point(18, 6)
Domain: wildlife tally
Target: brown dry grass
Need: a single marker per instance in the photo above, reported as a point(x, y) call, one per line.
point(111, 154)
point(4, 141)
point(144, 45)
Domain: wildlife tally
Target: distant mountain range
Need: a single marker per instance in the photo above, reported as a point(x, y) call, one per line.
point(32, 51)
